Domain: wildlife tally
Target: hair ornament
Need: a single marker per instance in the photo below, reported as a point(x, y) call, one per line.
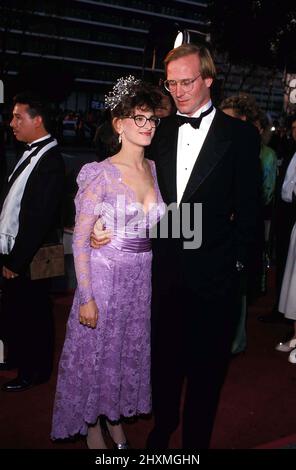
point(124, 86)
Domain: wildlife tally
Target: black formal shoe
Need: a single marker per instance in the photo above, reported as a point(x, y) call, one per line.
point(273, 317)
point(7, 366)
point(20, 384)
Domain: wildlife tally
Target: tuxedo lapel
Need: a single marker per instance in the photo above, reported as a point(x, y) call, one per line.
point(21, 168)
point(213, 149)
point(8, 184)
point(17, 172)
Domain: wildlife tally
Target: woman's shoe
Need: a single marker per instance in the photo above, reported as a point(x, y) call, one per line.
point(117, 445)
point(122, 445)
point(292, 356)
point(287, 346)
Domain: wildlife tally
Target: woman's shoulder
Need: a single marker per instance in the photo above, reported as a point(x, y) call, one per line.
point(268, 153)
point(151, 163)
point(90, 172)
point(152, 168)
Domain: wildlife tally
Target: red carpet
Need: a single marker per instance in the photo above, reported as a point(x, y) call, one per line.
point(257, 405)
point(288, 442)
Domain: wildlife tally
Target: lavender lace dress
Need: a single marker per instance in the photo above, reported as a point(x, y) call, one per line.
point(106, 370)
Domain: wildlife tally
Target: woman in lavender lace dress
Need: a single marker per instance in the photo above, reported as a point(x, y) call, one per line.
point(104, 369)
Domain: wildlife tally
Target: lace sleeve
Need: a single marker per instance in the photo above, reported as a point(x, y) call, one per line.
point(90, 194)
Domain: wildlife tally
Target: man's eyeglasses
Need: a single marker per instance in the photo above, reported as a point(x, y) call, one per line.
point(186, 84)
point(141, 120)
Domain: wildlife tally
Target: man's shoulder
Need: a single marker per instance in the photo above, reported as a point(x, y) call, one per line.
point(164, 133)
point(166, 123)
point(230, 121)
point(52, 159)
point(235, 126)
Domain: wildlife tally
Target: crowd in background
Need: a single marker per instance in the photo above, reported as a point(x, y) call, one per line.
point(84, 130)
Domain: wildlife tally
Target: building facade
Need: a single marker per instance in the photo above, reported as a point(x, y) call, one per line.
point(94, 41)
point(80, 47)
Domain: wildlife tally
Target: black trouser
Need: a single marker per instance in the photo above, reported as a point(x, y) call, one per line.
point(28, 326)
point(191, 339)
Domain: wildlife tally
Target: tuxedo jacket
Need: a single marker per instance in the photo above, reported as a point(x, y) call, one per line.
point(40, 211)
point(226, 180)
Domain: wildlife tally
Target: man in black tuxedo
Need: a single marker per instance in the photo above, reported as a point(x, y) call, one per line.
point(30, 216)
point(202, 157)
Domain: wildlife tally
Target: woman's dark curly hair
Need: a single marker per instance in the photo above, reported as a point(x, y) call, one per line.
point(142, 95)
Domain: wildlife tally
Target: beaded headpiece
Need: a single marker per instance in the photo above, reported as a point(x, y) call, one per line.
point(124, 86)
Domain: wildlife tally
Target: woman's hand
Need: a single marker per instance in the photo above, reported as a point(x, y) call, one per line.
point(99, 236)
point(88, 314)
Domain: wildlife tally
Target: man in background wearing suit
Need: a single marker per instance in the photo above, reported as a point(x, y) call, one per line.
point(202, 156)
point(30, 216)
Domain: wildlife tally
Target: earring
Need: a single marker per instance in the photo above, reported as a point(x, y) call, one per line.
point(119, 139)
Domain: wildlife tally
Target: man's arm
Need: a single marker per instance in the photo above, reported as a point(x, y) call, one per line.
point(248, 190)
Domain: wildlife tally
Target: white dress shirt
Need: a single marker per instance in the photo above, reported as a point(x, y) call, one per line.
point(190, 142)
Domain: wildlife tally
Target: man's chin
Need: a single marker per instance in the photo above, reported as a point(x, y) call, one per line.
point(183, 108)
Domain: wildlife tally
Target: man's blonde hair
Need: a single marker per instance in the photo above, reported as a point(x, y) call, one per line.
point(207, 66)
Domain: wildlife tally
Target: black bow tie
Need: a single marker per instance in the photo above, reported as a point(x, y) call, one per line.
point(195, 122)
point(33, 145)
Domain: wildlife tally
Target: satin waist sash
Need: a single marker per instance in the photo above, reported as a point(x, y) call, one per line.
point(132, 245)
